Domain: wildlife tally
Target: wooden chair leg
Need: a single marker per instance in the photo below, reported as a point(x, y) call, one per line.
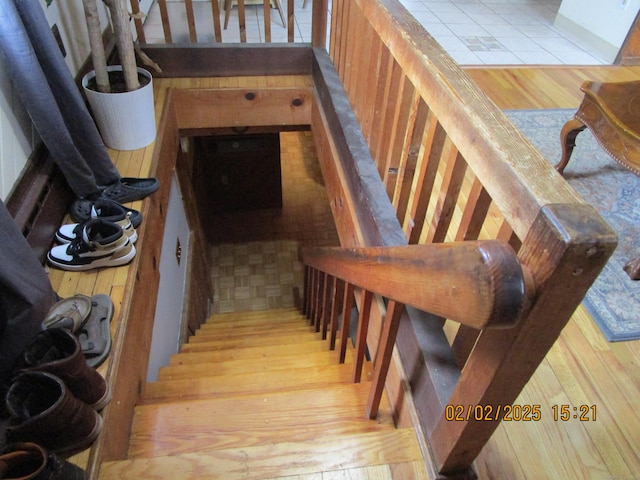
point(279, 8)
point(568, 135)
point(227, 11)
point(633, 269)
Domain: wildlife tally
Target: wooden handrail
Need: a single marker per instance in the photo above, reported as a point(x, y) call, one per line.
point(480, 283)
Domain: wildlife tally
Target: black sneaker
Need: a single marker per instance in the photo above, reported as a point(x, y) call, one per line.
point(83, 210)
point(101, 244)
point(129, 189)
point(107, 210)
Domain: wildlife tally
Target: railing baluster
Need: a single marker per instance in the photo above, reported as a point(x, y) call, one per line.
point(267, 20)
point(327, 303)
point(166, 28)
point(215, 11)
point(242, 22)
point(317, 310)
point(361, 338)
point(411, 150)
point(445, 204)
point(428, 168)
point(313, 295)
point(347, 306)
point(383, 358)
point(319, 23)
point(191, 21)
point(290, 22)
point(475, 212)
point(137, 21)
point(322, 302)
point(335, 311)
point(463, 343)
point(305, 289)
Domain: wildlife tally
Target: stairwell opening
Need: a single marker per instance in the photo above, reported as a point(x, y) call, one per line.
point(260, 195)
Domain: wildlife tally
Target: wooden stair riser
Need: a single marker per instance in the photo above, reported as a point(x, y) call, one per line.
point(204, 344)
point(260, 354)
point(270, 317)
point(230, 385)
point(233, 332)
point(238, 367)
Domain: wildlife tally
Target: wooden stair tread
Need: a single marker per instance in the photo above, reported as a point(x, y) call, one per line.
point(249, 365)
point(250, 383)
point(260, 400)
point(179, 427)
point(259, 353)
point(320, 454)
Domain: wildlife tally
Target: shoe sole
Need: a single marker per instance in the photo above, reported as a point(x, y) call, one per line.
point(100, 263)
point(85, 443)
point(133, 237)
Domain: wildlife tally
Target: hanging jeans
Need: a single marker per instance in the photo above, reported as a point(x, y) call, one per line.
point(25, 293)
point(46, 88)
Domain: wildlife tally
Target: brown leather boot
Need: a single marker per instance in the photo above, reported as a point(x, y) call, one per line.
point(45, 412)
point(58, 351)
point(29, 461)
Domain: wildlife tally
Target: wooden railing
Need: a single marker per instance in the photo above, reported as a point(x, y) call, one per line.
point(218, 10)
point(452, 168)
point(450, 280)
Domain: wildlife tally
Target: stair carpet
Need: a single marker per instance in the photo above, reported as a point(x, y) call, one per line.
point(258, 395)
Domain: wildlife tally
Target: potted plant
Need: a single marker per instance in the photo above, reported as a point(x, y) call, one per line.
point(120, 96)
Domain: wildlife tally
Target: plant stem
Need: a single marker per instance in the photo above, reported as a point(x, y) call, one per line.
point(97, 47)
point(124, 40)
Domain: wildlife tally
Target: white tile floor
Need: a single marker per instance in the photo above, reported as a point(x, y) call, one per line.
point(503, 32)
point(474, 32)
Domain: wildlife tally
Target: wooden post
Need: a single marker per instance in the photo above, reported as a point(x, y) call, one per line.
point(567, 247)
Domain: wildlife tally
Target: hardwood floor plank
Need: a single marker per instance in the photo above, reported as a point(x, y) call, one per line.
point(537, 87)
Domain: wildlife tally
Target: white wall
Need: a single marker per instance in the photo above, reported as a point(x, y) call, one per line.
point(16, 135)
point(602, 24)
point(167, 328)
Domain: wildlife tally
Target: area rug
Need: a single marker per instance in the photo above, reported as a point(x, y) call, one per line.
point(614, 299)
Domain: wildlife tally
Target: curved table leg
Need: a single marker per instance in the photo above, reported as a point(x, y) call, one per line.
point(568, 135)
point(633, 269)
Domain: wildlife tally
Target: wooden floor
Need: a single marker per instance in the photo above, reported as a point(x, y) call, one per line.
point(581, 369)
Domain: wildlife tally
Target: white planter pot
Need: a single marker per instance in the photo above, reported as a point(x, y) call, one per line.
point(126, 120)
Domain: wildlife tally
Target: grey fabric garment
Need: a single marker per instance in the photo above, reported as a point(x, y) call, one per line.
point(26, 294)
point(47, 90)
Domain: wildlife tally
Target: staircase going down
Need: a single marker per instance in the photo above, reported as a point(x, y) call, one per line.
point(258, 395)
